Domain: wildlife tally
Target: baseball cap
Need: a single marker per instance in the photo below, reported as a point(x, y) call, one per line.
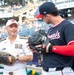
point(45, 8)
point(11, 21)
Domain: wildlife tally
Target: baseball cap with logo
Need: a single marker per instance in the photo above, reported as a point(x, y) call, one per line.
point(45, 8)
point(11, 21)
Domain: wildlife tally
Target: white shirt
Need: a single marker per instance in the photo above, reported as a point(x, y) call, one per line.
point(18, 47)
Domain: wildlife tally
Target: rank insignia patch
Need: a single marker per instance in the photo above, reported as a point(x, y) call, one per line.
point(18, 46)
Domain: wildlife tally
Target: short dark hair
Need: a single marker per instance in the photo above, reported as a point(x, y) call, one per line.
point(55, 13)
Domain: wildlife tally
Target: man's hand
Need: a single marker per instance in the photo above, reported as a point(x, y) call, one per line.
point(44, 47)
point(39, 41)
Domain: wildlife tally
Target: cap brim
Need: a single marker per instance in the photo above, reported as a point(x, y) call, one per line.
point(39, 16)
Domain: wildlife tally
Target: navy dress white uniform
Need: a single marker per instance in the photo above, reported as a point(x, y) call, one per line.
point(18, 47)
point(59, 52)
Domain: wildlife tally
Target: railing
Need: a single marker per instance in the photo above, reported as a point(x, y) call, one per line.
point(60, 1)
point(23, 10)
point(37, 69)
point(65, 4)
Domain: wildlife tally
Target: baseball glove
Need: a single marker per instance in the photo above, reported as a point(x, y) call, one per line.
point(38, 38)
point(6, 58)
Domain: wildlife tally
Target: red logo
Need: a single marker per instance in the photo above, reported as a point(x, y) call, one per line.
point(12, 20)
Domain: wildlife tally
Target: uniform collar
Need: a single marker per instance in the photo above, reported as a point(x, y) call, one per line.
point(18, 37)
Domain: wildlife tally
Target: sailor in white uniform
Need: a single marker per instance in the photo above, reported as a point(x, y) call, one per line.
point(16, 46)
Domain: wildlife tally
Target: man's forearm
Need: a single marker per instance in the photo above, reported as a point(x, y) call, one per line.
point(25, 58)
point(67, 50)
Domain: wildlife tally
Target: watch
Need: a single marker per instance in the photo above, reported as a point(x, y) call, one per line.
point(17, 57)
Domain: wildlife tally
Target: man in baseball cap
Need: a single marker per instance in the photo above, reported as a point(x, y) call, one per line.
point(16, 46)
point(46, 8)
point(58, 54)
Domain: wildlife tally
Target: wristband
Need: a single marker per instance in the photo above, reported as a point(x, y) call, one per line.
point(50, 48)
point(16, 58)
point(47, 48)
